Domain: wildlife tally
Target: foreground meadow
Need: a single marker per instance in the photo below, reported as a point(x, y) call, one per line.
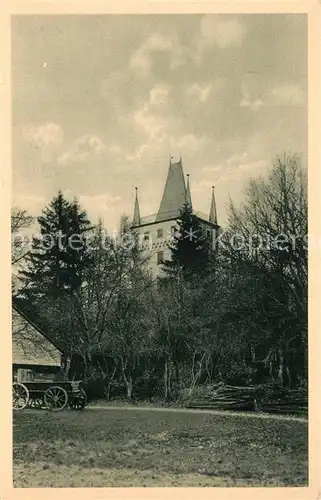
point(113, 447)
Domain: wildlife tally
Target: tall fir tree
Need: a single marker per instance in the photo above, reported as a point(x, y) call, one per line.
point(60, 254)
point(190, 248)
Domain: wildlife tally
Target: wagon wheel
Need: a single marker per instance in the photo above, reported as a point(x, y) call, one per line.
point(20, 396)
point(56, 398)
point(78, 400)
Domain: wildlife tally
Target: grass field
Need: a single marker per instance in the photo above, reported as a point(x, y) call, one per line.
point(103, 448)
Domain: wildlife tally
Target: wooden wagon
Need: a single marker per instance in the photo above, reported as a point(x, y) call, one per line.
point(37, 370)
point(55, 395)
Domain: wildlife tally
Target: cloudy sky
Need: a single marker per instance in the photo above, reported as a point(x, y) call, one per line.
point(101, 102)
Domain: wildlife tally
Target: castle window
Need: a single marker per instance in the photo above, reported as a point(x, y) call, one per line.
point(146, 236)
point(160, 258)
point(159, 233)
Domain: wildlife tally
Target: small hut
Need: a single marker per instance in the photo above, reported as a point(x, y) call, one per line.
point(34, 355)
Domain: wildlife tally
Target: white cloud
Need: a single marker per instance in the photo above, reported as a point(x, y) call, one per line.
point(157, 137)
point(44, 135)
point(138, 153)
point(189, 143)
point(212, 31)
point(238, 167)
point(253, 90)
point(158, 42)
point(158, 95)
point(237, 158)
point(85, 148)
point(178, 58)
point(223, 33)
point(204, 185)
point(242, 167)
point(141, 59)
point(105, 206)
point(288, 95)
point(151, 124)
point(162, 129)
point(114, 149)
point(46, 139)
point(178, 54)
point(101, 205)
point(280, 95)
point(154, 117)
point(212, 168)
point(253, 104)
point(100, 201)
point(201, 92)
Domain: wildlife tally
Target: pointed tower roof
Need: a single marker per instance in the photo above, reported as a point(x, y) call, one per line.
point(174, 195)
point(213, 214)
point(136, 218)
point(188, 192)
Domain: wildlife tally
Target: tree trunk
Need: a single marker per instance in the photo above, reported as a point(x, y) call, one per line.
point(108, 385)
point(288, 374)
point(281, 367)
point(129, 387)
point(177, 377)
point(208, 370)
point(196, 376)
point(167, 379)
point(166, 394)
point(253, 356)
point(107, 391)
point(129, 384)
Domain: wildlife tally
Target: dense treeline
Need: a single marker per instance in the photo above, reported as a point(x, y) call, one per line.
point(231, 308)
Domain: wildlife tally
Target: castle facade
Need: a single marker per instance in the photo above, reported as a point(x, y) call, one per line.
point(155, 231)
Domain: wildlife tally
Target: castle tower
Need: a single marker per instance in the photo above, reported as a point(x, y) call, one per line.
point(155, 231)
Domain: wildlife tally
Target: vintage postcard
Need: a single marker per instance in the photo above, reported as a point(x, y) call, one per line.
point(160, 293)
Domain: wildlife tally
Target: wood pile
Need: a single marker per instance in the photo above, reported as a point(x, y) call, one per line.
point(271, 400)
point(224, 397)
point(285, 402)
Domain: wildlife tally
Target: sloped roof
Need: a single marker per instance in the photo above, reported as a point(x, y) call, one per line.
point(174, 195)
point(31, 346)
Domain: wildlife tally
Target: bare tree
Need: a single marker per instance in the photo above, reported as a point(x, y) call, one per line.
point(20, 220)
point(272, 223)
point(103, 318)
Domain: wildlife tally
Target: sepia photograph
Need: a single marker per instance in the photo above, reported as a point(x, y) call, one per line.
point(159, 240)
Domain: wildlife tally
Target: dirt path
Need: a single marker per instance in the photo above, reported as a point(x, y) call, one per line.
point(205, 412)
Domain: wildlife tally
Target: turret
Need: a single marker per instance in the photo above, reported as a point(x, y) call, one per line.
point(188, 192)
point(136, 217)
point(213, 214)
